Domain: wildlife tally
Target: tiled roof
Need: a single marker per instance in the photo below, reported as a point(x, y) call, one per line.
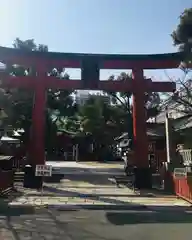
point(158, 130)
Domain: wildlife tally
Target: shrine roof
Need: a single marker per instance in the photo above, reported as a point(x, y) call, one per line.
point(157, 132)
point(4, 51)
point(183, 123)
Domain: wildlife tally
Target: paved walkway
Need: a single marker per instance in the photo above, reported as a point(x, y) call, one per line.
point(93, 190)
point(43, 224)
point(85, 168)
point(71, 193)
point(115, 213)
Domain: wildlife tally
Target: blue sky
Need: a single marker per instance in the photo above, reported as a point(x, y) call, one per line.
point(94, 26)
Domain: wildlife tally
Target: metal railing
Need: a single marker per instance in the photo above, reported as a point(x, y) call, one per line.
point(186, 155)
point(183, 188)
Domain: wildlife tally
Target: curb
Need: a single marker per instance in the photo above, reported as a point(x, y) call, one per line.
point(96, 207)
point(82, 206)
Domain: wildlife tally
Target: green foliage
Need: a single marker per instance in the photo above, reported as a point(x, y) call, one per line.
point(18, 103)
point(181, 100)
point(182, 35)
point(102, 120)
point(123, 101)
point(123, 98)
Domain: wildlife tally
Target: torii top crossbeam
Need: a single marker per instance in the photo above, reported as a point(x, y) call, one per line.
point(90, 65)
point(106, 61)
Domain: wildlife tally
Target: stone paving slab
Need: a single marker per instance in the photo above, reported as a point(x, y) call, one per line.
point(91, 191)
point(57, 195)
point(104, 165)
point(95, 225)
point(41, 200)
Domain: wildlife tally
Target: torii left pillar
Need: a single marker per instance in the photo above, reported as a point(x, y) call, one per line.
point(37, 145)
point(143, 174)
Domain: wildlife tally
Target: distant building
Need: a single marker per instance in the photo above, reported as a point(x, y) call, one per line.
point(174, 109)
point(83, 96)
point(105, 97)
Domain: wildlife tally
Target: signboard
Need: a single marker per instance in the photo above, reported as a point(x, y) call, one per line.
point(180, 173)
point(151, 146)
point(43, 170)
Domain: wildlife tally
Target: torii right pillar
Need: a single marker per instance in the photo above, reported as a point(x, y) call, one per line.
point(142, 171)
point(140, 144)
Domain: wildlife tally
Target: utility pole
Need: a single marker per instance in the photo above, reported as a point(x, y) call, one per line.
point(168, 181)
point(168, 132)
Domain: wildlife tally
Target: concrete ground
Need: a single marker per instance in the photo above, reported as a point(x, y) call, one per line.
point(43, 224)
point(90, 206)
point(87, 167)
point(91, 184)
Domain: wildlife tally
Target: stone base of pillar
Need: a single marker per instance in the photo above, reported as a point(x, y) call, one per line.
point(143, 178)
point(30, 180)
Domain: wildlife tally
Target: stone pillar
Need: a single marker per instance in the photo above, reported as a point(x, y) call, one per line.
point(143, 172)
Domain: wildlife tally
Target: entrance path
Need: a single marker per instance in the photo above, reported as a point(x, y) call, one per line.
point(84, 186)
point(87, 167)
point(70, 195)
point(91, 207)
point(112, 164)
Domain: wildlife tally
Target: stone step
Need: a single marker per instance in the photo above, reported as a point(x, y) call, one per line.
point(19, 177)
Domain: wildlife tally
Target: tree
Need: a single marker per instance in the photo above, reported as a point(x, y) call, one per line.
point(181, 100)
point(182, 38)
point(18, 102)
point(182, 35)
point(102, 122)
point(123, 98)
point(101, 119)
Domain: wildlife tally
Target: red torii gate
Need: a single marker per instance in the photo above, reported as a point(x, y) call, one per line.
point(90, 65)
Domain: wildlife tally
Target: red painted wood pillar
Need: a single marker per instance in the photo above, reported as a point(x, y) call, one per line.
point(143, 177)
point(38, 121)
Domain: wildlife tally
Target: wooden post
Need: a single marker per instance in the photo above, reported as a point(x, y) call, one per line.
point(38, 126)
point(37, 146)
point(143, 173)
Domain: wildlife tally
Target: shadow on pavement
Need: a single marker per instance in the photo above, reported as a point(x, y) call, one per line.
point(159, 215)
point(29, 223)
point(40, 225)
point(90, 196)
point(91, 179)
point(46, 224)
point(6, 210)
